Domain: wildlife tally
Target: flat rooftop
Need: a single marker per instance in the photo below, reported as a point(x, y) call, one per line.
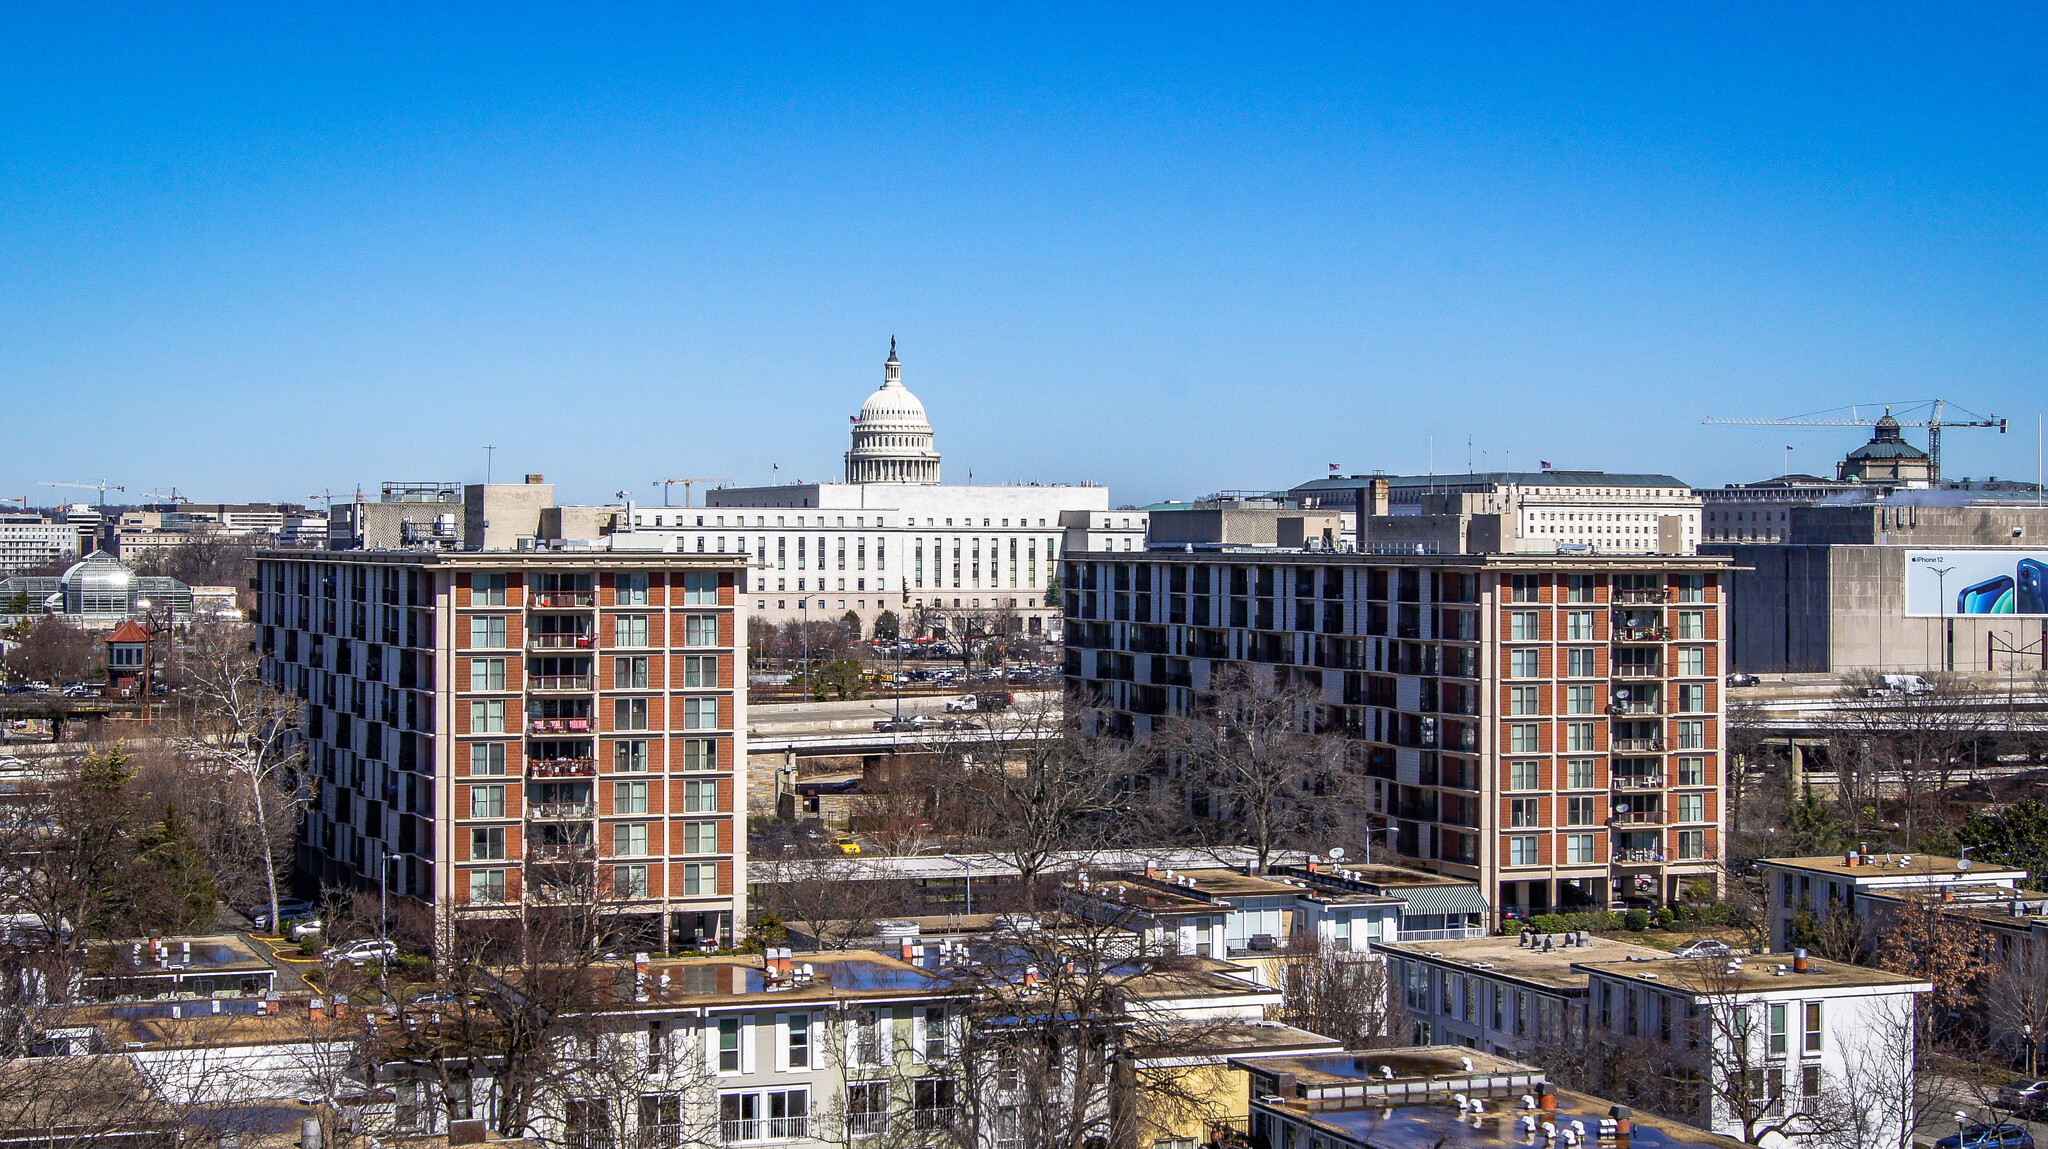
point(1878, 866)
point(714, 981)
point(1507, 959)
point(1756, 974)
point(200, 952)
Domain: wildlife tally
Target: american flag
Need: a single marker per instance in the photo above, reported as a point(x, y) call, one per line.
point(1545, 462)
point(1333, 466)
point(853, 418)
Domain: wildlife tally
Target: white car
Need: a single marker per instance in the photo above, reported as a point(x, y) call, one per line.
point(360, 953)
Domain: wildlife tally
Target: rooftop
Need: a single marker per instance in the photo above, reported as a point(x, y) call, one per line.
point(1508, 959)
point(715, 981)
point(1502, 478)
point(1769, 973)
point(203, 952)
point(1877, 866)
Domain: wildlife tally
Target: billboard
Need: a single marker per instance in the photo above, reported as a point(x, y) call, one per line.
point(1949, 583)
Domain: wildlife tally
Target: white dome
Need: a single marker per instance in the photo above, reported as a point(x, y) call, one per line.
point(896, 406)
point(892, 441)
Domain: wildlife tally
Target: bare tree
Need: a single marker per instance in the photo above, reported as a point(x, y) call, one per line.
point(1348, 997)
point(2016, 1003)
point(52, 650)
point(836, 902)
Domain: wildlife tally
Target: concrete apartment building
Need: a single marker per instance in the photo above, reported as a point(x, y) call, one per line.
point(29, 542)
point(497, 727)
point(1548, 726)
point(1518, 511)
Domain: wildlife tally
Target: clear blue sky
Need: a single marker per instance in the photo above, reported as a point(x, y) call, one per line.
point(260, 252)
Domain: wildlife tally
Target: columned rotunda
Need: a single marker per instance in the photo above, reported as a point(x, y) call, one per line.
point(892, 441)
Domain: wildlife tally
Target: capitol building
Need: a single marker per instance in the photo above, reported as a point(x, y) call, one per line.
point(892, 537)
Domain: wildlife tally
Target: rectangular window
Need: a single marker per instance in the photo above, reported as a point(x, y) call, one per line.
point(1692, 697)
point(1692, 844)
point(629, 797)
point(487, 590)
point(1523, 813)
point(1692, 660)
point(1523, 587)
point(1522, 850)
point(486, 674)
point(1692, 771)
point(629, 630)
point(632, 588)
point(1691, 587)
point(487, 631)
point(630, 673)
point(1578, 625)
point(1579, 810)
point(629, 756)
point(1692, 624)
point(1578, 736)
point(629, 713)
point(1578, 588)
point(700, 588)
point(1778, 1029)
point(700, 754)
point(700, 879)
point(700, 713)
point(700, 837)
point(487, 844)
point(487, 758)
point(933, 1030)
point(728, 1045)
point(1579, 663)
point(1522, 775)
point(1524, 738)
point(1692, 807)
point(1523, 626)
point(700, 797)
point(1692, 735)
point(1581, 700)
point(486, 801)
point(629, 839)
point(1523, 699)
point(487, 885)
point(487, 716)
point(700, 671)
point(1813, 1027)
point(799, 1040)
point(1579, 774)
point(1578, 849)
point(700, 630)
point(1525, 663)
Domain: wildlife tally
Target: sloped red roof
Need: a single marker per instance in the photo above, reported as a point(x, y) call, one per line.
point(129, 631)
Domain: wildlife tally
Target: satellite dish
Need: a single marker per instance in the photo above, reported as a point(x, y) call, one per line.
point(1337, 853)
point(1621, 807)
point(1963, 864)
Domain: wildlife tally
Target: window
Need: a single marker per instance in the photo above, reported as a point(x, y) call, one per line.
point(700, 630)
point(487, 758)
point(1578, 849)
point(1578, 662)
point(1522, 775)
point(487, 885)
point(487, 716)
point(700, 713)
point(1579, 810)
point(1778, 1029)
point(866, 1037)
point(1691, 587)
point(700, 670)
point(1578, 588)
point(1523, 700)
point(798, 1041)
point(630, 881)
point(1524, 738)
point(1524, 813)
point(1812, 1027)
point(629, 756)
point(867, 1109)
point(700, 797)
point(700, 588)
point(486, 801)
point(1692, 844)
point(1692, 624)
point(1523, 626)
point(629, 713)
point(700, 837)
point(1692, 807)
point(728, 1045)
point(1578, 625)
point(629, 797)
point(1522, 850)
point(629, 673)
point(487, 674)
point(1692, 735)
point(1578, 736)
point(931, 1103)
point(1523, 587)
point(1692, 697)
point(1692, 660)
point(933, 1033)
point(661, 1115)
point(629, 630)
point(632, 588)
point(1692, 771)
point(700, 754)
point(700, 878)
point(1524, 664)
point(487, 590)
point(629, 839)
point(1581, 700)
point(487, 631)
point(487, 844)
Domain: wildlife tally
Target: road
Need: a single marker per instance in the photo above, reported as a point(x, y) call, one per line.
point(783, 718)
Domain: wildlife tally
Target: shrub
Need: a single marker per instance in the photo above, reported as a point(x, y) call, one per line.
point(1637, 921)
point(1665, 918)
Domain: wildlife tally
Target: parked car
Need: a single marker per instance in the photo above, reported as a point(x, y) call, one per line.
point(908, 722)
point(304, 928)
point(1704, 948)
point(288, 910)
point(981, 702)
point(360, 953)
point(1743, 680)
point(1980, 1136)
point(845, 844)
point(2025, 1097)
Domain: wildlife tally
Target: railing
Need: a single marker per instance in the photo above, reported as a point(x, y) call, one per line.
point(663, 1136)
point(1638, 857)
point(1638, 818)
point(1642, 634)
point(1652, 707)
point(557, 811)
point(765, 1129)
point(1456, 933)
point(575, 641)
point(933, 1118)
point(562, 599)
point(1635, 745)
point(1637, 782)
point(562, 768)
point(584, 725)
point(867, 1124)
point(1639, 596)
point(579, 853)
point(1638, 670)
point(559, 682)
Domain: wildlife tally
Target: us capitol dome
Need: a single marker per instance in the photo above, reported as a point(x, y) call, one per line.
point(892, 440)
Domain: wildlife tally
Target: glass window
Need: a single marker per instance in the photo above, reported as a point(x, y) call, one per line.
point(630, 673)
point(1691, 587)
point(632, 588)
point(700, 630)
point(1813, 1027)
point(1523, 626)
point(1525, 663)
point(700, 713)
point(1522, 850)
point(630, 881)
point(1578, 588)
point(1692, 844)
point(700, 878)
point(629, 630)
point(487, 590)
point(1692, 697)
point(487, 758)
point(1523, 587)
point(1692, 771)
point(1692, 735)
point(486, 801)
point(728, 1044)
point(629, 714)
point(629, 756)
point(700, 837)
point(1578, 662)
point(1524, 812)
point(1522, 775)
point(700, 670)
point(487, 674)
point(1578, 849)
point(487, 716)
point(487, 631)
point(1523, 700)
point(1692, 660)
point(629, 839)
point(1579, 774)
point(1578, 625)
point(700, 754)
point(1579, 810)
point(629, 797)
point(487, 885)
point(700, 797)
point(1692, 807)
point(1692, 624)
point(1523, 738)
point(700, 588)
point(1578, 736)
point(1777, 1029)
point(487, 844)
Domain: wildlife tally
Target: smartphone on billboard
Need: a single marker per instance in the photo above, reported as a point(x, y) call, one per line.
point(1992, 596)
point(2033, 588)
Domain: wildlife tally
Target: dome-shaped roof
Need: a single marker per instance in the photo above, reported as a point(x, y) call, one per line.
point(894, 404)
point(98, 571)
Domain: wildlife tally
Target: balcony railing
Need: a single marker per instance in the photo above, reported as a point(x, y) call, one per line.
point(564, 599)
point(867, 1124)
point(1639, 596)
point(562, 853)
point(559, 683)
point(1637, 781)
point(1642, 634)
point(584, 725)
point(562, 768)
point(1639, 857)
point(1455, 933)
point(1638, 745)
point(1634, 707)
point(573, 641)
point(1638, 670)
point(765, 1129)
point(561, 811)
point(1638, 818)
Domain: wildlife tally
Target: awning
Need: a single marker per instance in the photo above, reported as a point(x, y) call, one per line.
point(1425, 901)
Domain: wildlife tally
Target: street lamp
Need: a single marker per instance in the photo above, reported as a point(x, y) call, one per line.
point(804, 604)
point(384, 922)
point(1941, 606)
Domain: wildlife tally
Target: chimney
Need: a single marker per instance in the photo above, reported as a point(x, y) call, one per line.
point(1151, 871)
point(1381, 503)
point(535, 480)
point(1624, 1125)
point(340, 1008)
point(909, 950)
point(319, 1008)
point(1031, 977)
point(1799, 961)
point(1852, 859)
point(1546, 1096)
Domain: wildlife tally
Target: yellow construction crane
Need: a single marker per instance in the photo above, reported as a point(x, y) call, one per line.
point(1832, 418)
point(102, 487)
point(665, 484)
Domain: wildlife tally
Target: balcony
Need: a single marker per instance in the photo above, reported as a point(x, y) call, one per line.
point(559, 683)
point(563, 600)
point(562, 768)
point(1454, 934)
point(1637, 670)
point(1638, 857)
point(1639, 596)
point(572, 641)
point(581, 852)
point(563, 725)
point(1638, 745)
point(1636, 782)
point(1642, 634)
point(561, 811)
point(764, 1129)
point(1650, 707)
point(1638, 818)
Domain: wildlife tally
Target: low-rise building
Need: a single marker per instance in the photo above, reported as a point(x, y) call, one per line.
point(1507, 995)
point(1839, 883)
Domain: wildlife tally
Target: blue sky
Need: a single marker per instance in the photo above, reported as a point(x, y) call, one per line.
point(256, 253)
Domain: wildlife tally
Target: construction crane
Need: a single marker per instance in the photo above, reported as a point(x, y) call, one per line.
point(1831, 418)
point(328, 495)
point(102, 487)
point(173, 495)
point(665, 484)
